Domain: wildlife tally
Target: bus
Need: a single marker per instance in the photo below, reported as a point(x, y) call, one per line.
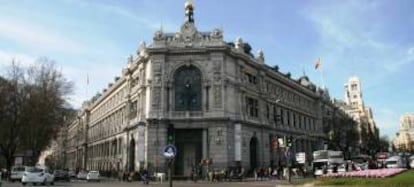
point(320, 162)
point(336, 162)
point(325, 161)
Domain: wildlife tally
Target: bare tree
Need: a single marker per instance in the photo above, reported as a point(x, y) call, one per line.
point(11, 121)
point(384, 143)
point(31, 108)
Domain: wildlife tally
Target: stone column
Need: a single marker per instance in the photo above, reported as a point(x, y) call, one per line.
point(237, 142)
point(205, 144)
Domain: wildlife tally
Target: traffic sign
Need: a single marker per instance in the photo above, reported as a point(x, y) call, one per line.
point(170, 151)
point(289, 153)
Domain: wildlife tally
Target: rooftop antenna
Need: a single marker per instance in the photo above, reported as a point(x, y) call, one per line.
point(303, 71)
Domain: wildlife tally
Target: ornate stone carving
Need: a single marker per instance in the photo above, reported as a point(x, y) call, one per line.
point(216, 77)
point(130, 59)
point(260, 57)
point(156, 67)
point(157, 79)
point(158, 36)
point(239, 44)
point(217, 66)
point(217, 96)
point(156, 95)
point(142, 50)
point(217, 34)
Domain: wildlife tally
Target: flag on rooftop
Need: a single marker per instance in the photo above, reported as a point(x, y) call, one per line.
point(318, 63)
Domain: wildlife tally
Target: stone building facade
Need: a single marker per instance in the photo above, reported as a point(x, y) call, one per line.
point(362, 114)
point(225, 104)
point(405, 136)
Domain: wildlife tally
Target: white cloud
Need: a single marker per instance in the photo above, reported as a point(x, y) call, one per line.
point(410, 52)
point(137, 17)
point(98, 80)
point(387, 121)
point(37, 36)
point(398, 63)
point(23, 59)
point(353, 39)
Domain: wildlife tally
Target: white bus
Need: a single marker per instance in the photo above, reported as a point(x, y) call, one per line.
point(320, 162)
point(327, 161)
point(336, 162)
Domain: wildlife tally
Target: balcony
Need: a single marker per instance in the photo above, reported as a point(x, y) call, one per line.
point(186, 115)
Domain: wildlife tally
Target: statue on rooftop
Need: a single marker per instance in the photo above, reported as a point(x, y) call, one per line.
point(189, 8)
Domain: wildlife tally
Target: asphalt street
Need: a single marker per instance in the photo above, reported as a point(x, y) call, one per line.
point(158, 184)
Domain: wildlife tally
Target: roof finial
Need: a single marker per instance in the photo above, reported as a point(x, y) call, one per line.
point(189, 8)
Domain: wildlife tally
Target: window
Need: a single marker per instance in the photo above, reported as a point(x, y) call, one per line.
point(251, 78)
point(288, 118)
point(267, 111)
point(133, 110)
point(275, 115)
point(252, 107)
point(354, 87)
point(187, 85)
point(294, 120)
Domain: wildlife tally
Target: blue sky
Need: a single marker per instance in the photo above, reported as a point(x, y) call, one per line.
point(371, 39)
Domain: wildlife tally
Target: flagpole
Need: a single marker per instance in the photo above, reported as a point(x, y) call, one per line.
point(322, 77)
point(87, 85)
point(320, 65)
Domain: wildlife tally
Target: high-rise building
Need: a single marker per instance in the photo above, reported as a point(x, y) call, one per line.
point(405, 136)
point(354, 106)
point(353, 93)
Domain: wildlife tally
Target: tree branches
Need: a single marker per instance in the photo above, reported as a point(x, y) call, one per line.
point(32, 101)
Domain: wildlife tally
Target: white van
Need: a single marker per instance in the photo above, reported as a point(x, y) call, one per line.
point(395, 162)
point(17, 173)
point(411, 161)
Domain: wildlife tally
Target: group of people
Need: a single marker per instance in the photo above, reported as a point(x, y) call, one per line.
point(270, 173)
point(143, 175)
point(278, 173)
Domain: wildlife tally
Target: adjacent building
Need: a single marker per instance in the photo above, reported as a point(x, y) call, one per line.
point(362, 114)
point(405, 136)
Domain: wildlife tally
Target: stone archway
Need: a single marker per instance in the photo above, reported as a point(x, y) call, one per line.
point(254, 153)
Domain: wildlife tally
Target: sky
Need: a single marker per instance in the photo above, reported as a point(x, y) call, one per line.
point(371, 39)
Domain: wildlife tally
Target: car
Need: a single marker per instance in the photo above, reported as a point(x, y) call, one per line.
point(411, 162)
point(17, 173)
point(72, 174)
point(82, 175)
point(37, 175)
point(61, 175)
point(395, 162)
point(342, 168)
point(93, 176)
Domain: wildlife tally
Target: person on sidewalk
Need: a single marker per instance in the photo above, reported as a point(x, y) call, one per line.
point(145, 176)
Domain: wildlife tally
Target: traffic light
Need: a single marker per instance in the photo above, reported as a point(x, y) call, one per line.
point(289, 141)
point(170, 134)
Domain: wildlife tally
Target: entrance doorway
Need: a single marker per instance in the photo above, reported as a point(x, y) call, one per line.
point(132, 155)
point(189, 151)
point(254, 151)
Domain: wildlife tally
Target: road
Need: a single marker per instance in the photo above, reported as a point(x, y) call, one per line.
point(158, 184)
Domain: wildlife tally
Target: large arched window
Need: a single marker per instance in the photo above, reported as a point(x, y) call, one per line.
point(187, 86)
